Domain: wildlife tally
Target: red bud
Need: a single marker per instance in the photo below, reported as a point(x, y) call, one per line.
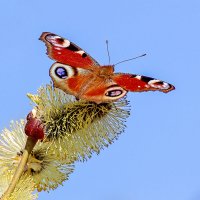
point(34, 127)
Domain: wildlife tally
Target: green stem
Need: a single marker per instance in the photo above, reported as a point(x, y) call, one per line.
point(30, 143)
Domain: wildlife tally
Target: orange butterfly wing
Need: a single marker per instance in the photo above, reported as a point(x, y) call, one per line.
point(77, 73)
point(66, 52)
point(137, 83)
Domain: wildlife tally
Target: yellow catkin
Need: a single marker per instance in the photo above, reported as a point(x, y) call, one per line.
point(79, 128)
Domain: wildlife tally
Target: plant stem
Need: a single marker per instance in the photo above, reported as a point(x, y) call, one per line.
point(30, 143)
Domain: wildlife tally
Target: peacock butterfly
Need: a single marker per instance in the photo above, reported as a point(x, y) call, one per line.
point(77, 73)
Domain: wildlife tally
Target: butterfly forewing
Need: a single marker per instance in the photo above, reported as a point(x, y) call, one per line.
point(66, 52)
point(137, 83)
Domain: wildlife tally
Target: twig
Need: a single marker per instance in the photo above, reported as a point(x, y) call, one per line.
point(30, 143)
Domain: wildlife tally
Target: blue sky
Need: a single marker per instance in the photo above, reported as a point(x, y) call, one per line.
point(157, 158)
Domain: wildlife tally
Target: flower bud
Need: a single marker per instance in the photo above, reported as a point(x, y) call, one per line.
point(34, 127)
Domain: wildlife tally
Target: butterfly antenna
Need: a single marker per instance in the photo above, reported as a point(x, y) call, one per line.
point(108, 51)
point(131, 59)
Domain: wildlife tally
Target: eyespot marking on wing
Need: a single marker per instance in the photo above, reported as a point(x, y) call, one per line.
point(115, 92)
point(159, 84)
point(60, 43)
point(61, 72)
point(57, 41)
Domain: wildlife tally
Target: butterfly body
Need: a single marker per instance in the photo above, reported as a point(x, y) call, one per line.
point(77, 73)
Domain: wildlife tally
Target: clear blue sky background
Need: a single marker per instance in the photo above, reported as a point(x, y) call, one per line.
point(157, 158)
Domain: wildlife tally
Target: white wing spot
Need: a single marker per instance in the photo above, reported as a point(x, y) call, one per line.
point(81, 52)
point(153, 81)
point(166, 85)
point(138, 77)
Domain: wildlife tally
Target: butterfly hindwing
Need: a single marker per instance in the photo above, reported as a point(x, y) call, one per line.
point(137, 83)
point(66, 52)
point(85, 84)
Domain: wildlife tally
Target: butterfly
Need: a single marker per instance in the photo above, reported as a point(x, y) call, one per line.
point(77, 73)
